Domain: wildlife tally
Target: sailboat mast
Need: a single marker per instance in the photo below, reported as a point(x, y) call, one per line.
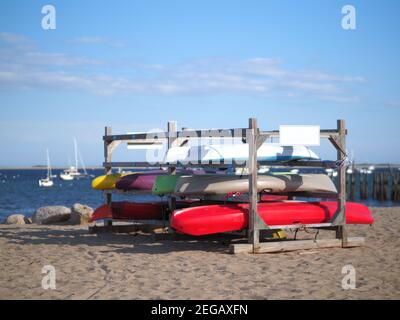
point(49, 175)
point(76, 154)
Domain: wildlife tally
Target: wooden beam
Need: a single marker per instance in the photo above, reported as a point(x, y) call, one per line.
point(339, 218)
point(254, 233)
point(298, 163)
point(324, 133)
point(171, 127)
point(293, 245)
point(227, 133)
point(108, 169)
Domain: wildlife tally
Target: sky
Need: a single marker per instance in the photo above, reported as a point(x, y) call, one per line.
point(134, 65)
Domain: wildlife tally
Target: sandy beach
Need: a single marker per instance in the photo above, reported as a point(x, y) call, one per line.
point(139, 266)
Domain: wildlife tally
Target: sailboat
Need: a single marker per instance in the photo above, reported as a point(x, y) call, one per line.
point(73, 172)
point(48, 181)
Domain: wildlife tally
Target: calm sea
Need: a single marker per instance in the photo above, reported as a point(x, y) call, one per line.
point(20, 192)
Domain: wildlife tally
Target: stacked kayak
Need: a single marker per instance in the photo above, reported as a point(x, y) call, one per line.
point(223, 184)
point(139, 181)
point(145, 180)
point(204, 220)
point(125, 210)
point(107, 182)
point(237, 152)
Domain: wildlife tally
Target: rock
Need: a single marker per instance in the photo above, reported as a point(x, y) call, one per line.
point(80, 214)
point(16, 219)
point(51, 214)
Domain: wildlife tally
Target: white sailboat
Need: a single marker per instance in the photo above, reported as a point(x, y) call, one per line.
point(48, 181)
point(73, 172)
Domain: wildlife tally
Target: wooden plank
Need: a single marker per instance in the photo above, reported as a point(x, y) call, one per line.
point(324, 133)
point(339, 217)
point(227, 133)
point(294, 245)
point(204, 133)
point(297, 163)
point(171, 127)
point(108, 169)
point(254, 233)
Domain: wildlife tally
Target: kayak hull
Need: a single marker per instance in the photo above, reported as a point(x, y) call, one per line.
point(223, 184)
point(213, 219)
point(106, 182)
point(139, 181)
point(237, 152)
point(135, 210)
point(145, 180)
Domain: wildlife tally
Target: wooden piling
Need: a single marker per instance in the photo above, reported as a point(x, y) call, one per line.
point(395, 196)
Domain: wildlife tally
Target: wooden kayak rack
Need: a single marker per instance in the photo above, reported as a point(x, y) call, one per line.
point(255, 137)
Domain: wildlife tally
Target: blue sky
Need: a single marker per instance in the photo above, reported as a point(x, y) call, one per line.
point(137, 64)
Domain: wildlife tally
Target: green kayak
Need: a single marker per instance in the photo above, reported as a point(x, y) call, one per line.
point(165, 184)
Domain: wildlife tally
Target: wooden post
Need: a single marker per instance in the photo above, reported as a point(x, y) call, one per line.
point(171, 128)
point(340, 219)
point(254, 233)
point(108, 169)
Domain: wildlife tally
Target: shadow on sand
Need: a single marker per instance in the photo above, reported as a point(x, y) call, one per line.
point(139, 242)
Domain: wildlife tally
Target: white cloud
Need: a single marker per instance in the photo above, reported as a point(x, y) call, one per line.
point(89, 40)
point(96, 41)
point(12, 38)
point(27, 68)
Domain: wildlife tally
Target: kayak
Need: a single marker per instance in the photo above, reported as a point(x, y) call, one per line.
point(204, 220)
point(129, 211)
point(165, 184)
point(223, 184)
point(142, 181)
point(107, 182)
point(237, 152)
point(145, 180)
point(135, 210)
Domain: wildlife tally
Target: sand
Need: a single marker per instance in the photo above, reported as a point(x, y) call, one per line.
point(138, 266)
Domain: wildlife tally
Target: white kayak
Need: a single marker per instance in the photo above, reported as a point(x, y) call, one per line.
point(238, 152)
point(223, 184)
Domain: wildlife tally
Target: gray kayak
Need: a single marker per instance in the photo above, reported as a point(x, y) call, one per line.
point(223, 184)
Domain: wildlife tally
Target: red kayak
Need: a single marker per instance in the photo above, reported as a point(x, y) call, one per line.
point(135, 210)
point(129, 211)
point(212, 219)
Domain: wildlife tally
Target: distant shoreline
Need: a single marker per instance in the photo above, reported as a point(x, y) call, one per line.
point(45, 168)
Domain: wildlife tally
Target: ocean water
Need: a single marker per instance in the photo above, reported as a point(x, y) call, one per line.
point(20, 192)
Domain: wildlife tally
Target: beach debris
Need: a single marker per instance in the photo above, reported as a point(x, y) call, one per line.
point(51, 215)
point(17, 219)
point(80, 214)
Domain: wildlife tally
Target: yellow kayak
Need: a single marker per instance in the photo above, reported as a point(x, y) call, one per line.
point(107, 182)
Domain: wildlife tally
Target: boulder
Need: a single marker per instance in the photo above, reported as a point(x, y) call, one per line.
point(51, 214)
point(16, 219)
point(80, 214)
